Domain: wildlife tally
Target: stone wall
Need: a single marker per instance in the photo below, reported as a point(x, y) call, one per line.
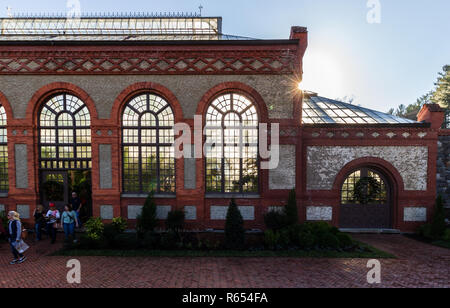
point(443, 168)
point(324, 163)
point(189, 90)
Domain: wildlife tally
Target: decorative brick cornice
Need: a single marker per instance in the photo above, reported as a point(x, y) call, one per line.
point(148, 62)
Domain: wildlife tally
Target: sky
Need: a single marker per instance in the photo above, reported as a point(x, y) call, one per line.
point(391, 61)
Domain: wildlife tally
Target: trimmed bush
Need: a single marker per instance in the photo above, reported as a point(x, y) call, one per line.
point(436, 230)
point(170, 241)
point(345, 240)
point(291, 209)
point(234, 228)
point(446, 236)
point(125, 242)
point(275, 220)
point(438, 226)
point(175, 221)
point(271, 239)
point(150, 240)
point(147, 222)
point(306, 239)
point(328, 241)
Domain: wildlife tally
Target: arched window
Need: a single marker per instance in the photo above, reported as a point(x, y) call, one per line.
point(148, 152)
point(348, 189)
point(4, 183)
point(64, 134)
point(232, 145)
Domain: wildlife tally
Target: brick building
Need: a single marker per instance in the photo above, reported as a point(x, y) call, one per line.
point(90, 105)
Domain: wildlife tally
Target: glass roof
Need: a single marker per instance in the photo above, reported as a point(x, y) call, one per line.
point(321, 110)
point(146, 28)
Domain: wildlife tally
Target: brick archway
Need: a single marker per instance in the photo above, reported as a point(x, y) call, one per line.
point(5, 103)
point(388, 211)
point(240, 88)
point(144, 87)
point(58, 87)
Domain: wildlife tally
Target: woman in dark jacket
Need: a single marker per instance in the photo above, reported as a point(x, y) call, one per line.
point(15, 236)
point(39, 221)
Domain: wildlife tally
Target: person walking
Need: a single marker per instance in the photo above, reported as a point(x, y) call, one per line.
point(53, 216)
point(15, 236)
point(69, 221)
point(77, 205)
point(39, 221)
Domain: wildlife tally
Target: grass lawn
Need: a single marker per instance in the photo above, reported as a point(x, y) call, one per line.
point(368, 253)
point(442, 244)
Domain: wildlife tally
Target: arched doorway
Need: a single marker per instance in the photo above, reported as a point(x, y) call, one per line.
point(64, 149)
point(366, 200)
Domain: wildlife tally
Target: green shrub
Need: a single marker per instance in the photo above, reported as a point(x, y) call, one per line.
point(4, 219)
point(94, 228)
point(125, 242)
point(86, 242)
point(306, 239)
point(150, 240)
point(425, 231)
point(328, 240)
point(234, 228)
point(275, 220)
point(120, 224)
point(291, 209)
point(345, 240)
point(170, 240)
point(175, 221)
point(285, 238)
point(110, 231)
point(271, 239)
point(446, 236)
point(438, 225)
point(147, 221)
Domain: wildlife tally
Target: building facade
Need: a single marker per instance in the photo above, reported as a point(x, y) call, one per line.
point(90, 105)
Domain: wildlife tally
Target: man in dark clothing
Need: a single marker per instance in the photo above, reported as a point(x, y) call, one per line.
point(76, 206)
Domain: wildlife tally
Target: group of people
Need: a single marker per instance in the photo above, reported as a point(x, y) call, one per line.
point(69, 219)
point(50, 220)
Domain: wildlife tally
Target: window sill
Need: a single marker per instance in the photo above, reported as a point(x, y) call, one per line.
point(231, 196)
point(4, 195)
point(144, 196)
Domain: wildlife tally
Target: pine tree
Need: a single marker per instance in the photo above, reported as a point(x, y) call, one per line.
point(147, 222)
point(438, 225)
point(442, 94)
point(291, 209)
point(234, 228)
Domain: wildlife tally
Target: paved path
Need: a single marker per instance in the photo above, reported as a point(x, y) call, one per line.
point(418, 265)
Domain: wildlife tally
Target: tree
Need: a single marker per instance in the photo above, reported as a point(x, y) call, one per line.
point(146, 221)
point(291, 209)
point(442, 94)
point(438, 226)
point(234, 228)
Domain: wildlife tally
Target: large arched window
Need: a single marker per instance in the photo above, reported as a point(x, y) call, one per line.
point(64, 134)
point(4, 183)
point(148, 152)
point(232, 145)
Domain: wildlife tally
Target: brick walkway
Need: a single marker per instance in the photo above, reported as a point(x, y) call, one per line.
point(418, 265)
